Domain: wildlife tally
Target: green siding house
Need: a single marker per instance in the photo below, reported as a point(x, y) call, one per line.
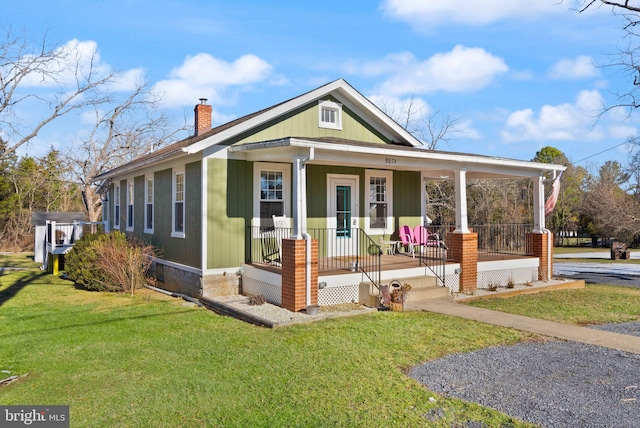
point(326, 166)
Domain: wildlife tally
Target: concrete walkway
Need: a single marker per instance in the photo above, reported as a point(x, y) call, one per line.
point(447, 306)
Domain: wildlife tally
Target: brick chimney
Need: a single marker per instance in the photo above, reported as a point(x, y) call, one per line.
point(203, 117)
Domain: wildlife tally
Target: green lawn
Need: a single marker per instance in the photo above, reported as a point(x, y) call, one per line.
point(151, 360)
point(595, 304)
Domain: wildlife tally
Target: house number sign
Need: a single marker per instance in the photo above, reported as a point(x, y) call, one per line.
point(390, 160)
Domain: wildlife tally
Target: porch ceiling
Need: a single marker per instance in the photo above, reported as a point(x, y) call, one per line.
point(435, 165)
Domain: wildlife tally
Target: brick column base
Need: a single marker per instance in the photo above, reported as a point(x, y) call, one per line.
point(537, 247)
point(293, 274)
point(463, 249)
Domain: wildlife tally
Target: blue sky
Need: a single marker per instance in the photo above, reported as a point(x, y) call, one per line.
point(518, 75)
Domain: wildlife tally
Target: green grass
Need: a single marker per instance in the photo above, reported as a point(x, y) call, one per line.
point(150, 360)
point(18, 260)
point(595, 304)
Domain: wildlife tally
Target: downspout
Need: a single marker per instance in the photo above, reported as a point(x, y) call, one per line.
point(104, 199)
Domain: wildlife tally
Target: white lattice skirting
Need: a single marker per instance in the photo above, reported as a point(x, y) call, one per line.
point(272, 293)
point(501, 278)
point(326, 296)
point(337, 295)
point(452, 282)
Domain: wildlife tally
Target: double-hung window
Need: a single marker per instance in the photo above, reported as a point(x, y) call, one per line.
point(379, 219)
point(148, 208)
point(271, 194)
point(178, 205)
point(129, 206)
point(272, 184)
point(116, 207)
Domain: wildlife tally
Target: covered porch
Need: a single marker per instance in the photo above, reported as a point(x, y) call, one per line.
point(334, 187)
point(504, 257)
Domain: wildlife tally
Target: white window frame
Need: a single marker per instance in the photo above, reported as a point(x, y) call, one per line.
point(149, 200)
point(130, 206)
point(178, 233)
point(388, 175)
point(116, 206)
point(326, 105)
point(258, 168)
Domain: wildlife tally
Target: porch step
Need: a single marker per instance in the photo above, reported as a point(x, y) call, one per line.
point(422, 287)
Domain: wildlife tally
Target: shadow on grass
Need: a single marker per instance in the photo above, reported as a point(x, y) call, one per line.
point(11, 291)
point(96, 323)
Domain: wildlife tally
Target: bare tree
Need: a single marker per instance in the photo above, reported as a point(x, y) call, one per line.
point(627, 58)
point(628, 5)
point(50, 82)
point(123, 130)
point(431, 127)
point(612, 210)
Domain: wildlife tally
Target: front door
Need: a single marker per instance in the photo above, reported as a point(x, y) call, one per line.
point(342, 214)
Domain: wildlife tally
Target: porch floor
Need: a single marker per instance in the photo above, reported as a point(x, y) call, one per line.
point(392, 262)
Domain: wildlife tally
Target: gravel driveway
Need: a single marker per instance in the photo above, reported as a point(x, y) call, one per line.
point(553, 383)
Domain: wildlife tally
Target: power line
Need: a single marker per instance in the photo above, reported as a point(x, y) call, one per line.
point(599, 153)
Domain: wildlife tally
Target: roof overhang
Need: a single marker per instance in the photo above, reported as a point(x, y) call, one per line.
point(435, 165)
point(342, 91)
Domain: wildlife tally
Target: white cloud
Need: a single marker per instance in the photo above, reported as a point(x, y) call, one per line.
point(128, 80)
point(564, 122)
point(78, 59)
point(203, 76)
point(387, 65)
point(463, 69)
point(426, 14)
point(74, 57)
point(581, 67)
point(465, 128)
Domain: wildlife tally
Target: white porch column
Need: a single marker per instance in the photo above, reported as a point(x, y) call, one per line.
point(300, 194)
point(299, 200)
point(538, 205)
point(462, 224)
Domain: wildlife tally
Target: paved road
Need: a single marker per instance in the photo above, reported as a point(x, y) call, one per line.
point(598, 273)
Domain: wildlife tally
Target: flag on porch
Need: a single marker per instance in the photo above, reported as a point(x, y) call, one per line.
point(553, 198)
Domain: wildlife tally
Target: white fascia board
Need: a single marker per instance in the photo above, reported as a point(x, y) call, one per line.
point(340, 86)
point(414, 159)
point(449, 158)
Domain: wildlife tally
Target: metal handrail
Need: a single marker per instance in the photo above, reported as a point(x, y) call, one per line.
point(345, 249)
point(434, 254)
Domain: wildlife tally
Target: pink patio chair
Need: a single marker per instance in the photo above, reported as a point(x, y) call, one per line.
point(423, 238)
point(407, 239)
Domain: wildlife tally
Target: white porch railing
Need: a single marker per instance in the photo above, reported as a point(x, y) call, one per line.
point(60, 237)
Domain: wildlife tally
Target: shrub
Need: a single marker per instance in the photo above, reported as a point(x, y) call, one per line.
point(125, 262)
point(81, 263)
point(108, 262)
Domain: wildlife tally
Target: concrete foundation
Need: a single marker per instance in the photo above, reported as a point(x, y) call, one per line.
point(173, 278)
